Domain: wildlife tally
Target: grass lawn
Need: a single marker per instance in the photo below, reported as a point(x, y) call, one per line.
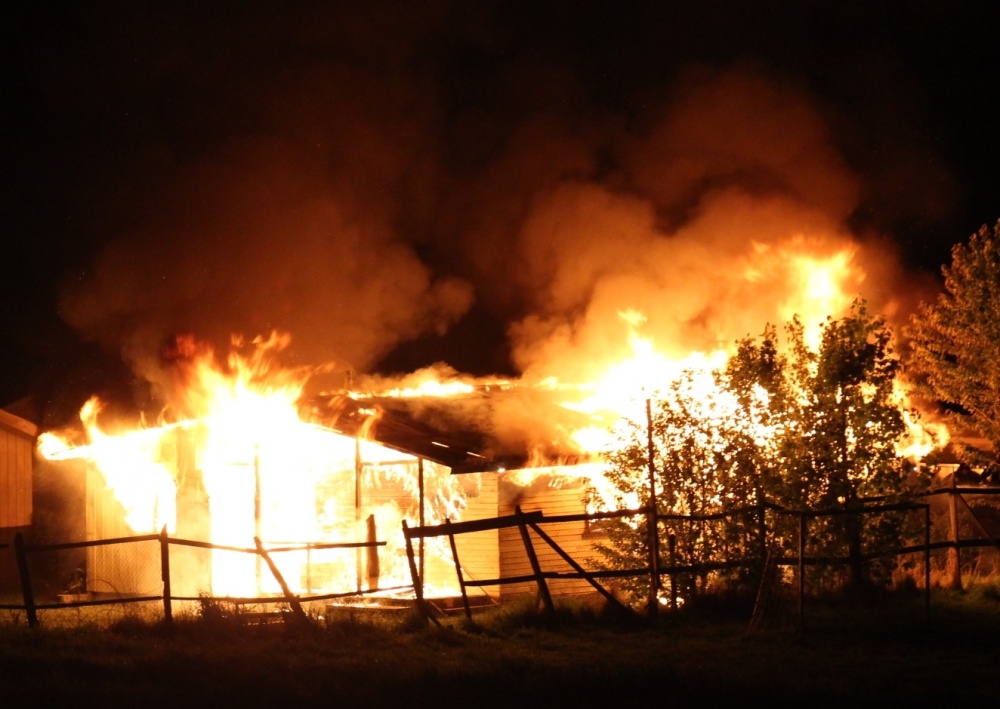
point(861, 653)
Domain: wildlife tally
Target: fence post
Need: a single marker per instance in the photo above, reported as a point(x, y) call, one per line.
point(372, 567)
point(954, 556)
point(802, 569)
point(168, 614)
point(543, 587)
point(672, 547)
point(418, 581)
point(293, 601)
point(652, 527)
point(927, 564)
point(458, 570)
point(25, 573)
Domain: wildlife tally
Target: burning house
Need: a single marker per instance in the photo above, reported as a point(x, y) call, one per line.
point(304, 475)
point(243, 451)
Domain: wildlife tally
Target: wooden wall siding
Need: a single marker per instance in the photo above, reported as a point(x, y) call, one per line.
point(17, 447)
point(132, 568)
point(479, 552)
point(570, 536)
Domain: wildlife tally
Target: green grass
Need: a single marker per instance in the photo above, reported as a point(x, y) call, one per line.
point(853, 650)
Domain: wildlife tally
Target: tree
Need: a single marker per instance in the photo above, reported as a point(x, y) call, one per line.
point(697, 433)
point(844, 447)
point(804, 429)
point(846, 417)
point(955, 340)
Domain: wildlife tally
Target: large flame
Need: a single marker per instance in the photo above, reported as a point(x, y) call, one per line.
point(261, 470)
point(808, 279)
point(235, 438)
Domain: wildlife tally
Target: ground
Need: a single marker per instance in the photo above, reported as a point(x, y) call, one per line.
point(879, 651)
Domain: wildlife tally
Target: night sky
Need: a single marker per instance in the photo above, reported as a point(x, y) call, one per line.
point(403, 183)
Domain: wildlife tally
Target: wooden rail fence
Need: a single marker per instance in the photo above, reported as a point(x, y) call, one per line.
point(24, 551)
point(799, 561)
point(533, 521)
point(523, 521)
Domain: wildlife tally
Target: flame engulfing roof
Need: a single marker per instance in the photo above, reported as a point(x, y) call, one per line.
point(460, 432)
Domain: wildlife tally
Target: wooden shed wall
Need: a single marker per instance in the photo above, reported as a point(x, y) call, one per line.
point(134, 567)
point(479, 552)
point(17, 446)
point(571, 537)
point(131, 568)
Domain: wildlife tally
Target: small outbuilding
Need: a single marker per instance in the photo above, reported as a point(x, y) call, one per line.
point(17, 446)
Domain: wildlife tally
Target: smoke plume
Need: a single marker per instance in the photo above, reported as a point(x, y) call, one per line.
point(370, 182)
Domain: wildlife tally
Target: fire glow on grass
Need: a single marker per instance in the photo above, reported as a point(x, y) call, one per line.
point(243, 460)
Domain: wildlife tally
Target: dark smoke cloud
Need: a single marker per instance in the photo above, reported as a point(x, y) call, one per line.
point(368, 178)
point(258, 241)
point(695, 228)
point(293, 222)
point(740, 128)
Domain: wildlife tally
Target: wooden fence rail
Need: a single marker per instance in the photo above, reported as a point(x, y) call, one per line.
point(30, 606)
point(540, 576)
point(523, 521)
point(533, 521)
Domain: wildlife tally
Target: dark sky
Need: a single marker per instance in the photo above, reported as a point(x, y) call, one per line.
point(402, 183)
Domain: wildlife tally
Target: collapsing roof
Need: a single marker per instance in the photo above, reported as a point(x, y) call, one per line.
point(461, 432)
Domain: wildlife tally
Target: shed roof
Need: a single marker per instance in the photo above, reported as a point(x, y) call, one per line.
point(456, 431)
point(16, 424)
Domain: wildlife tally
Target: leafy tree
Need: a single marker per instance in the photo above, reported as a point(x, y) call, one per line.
point(955, 341)
point(836, 419)
point(852, 417)
point(804, 429)
point(844, 447)
point(695, 434)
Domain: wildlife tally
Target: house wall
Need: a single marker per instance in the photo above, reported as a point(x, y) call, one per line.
point(388, 491)
point(17, 445)
point(132, 568)
point(553, 495)
point(479, 552)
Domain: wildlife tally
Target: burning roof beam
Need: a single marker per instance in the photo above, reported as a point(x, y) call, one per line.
point(400, 432)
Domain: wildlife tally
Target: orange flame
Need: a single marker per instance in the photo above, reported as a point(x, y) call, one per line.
point(263, 472)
